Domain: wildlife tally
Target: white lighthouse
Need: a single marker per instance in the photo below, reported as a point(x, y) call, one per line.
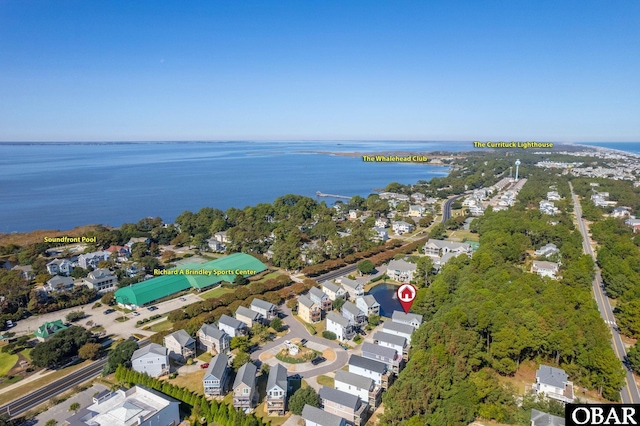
point(517, 167)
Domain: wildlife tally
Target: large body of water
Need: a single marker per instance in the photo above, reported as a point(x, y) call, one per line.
point(60, 186)
point(632, 147)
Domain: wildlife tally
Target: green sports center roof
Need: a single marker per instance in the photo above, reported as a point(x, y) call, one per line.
point(224, 269)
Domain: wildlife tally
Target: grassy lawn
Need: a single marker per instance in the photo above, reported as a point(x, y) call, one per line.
point(26, 353)
point(269, 276)
point(205, 357)
point(216, 292)
point(325, 381)
point(191, 381)
point(7, 361)
point(460, 234)
point(318, 327)
point(161, 326)
point(37, 384)
point(297, 359)
point(122, 319)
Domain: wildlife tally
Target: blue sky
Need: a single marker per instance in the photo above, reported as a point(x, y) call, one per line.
point(287, 70)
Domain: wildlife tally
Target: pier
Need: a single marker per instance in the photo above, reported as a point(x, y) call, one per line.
point(321, 194)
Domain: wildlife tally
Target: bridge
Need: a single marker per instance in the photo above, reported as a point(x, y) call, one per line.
point(321, 194)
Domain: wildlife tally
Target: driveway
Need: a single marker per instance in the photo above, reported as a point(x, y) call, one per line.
point(61, 411)
point(297, 330)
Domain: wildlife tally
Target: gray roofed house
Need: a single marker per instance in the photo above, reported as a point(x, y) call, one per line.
point(213, 339)
point(308, 311)
point(101, 279)
point(398, 329)
point(267, 309)
point(544, 268)
point(368, 304)
point(341, 326)
point(320, 298)
point(316, 417)
point(277, 387)
point(375, 370)
point(401, 270)
point(414, 320)
point(244, 387)
point(180, 345)
point(354, 314)
point(355, 384)
point(152, 359)
point(437, 248)
point(398, 343)
point(59, 283)
point(248, 316)
point(554, 383)
point(333, 290)
point(540, 418)
point(232, 326)
point(384, 354)
point(353, 287)
point(216, 378)
point(547, 250)
point(25, 270)
point(343, 404)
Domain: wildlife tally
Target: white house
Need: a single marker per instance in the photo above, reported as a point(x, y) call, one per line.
point(547, 250)
point(354, 314)
point(277, 388)
point(101, 279)
point(620, 212)
point(399, 329)
point(374, 370)
point(138, 406)
point(152, 359)
point(437, 248)
point(216, 378)
point(316, 417)
point(360, 386)
point(59, 267)
point(401, 270)
point(401, 227)
point(353, 287)
point(554, 383)
point(368, 304)
point(180, 345)
point(268, 310)
point(382, 222)
point(416, 211)
point(333, 290)
point(380, 234)
point(414, 320)
point(58, 283)
point(393, 341)
point(213, 339)
point(545, 269)
point(92, 259)
point(232, 326)
point(341, 326)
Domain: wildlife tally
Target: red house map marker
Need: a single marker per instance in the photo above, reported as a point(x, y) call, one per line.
point(406, 296)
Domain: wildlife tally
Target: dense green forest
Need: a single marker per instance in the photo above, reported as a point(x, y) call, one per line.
point(486, 315)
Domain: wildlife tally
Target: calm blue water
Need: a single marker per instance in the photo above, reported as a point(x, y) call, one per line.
point(385, 295)
point(633, 147)
point(60, 186)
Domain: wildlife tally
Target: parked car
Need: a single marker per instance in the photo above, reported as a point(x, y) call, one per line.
point(303, 342)
point(183, 299)
point(135, 314)
point(133, 338)
point(318, 360)
point(152, 308)
point(108, 311)
point(204, 365)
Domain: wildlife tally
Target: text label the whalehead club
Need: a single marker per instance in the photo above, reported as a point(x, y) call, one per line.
point(602, 414)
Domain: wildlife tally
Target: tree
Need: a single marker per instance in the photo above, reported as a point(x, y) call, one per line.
point(366, 266)
point(75, 316)
point(79, 272)
point(373, 320)
point(303, 396)
point(241, 359)
point(108, 298)
point(120, 355)
point(329, 335)
point(424, 272)
point(74, 407)
point(277, 324)
point(438, 232)
point(240, 280)
point(337, 304)
point(240, 342)
point(89, 351)
point(634, 357)
point(51, 422)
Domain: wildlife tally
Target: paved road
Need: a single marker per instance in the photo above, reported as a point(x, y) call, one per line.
point(44, 394)
point(446, 207)
point(297, 330)
point(629, 392)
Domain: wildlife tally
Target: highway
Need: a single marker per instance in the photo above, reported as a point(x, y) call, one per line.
point(22, 405)
point(629, 392)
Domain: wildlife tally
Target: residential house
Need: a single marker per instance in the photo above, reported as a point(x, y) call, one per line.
point(545, 269)
point(399, 329)
point(122, 253)
point(553, 196)
point(547, 207)
point(320, 298)
point(353, 287)
point(59, 267)
point(58, 283)
point(540, 418)
point(416, 211)
point(620, 212)
point(438, 248)
point(360, 386)
point(414, 320)
point(232, 326)
point(215, 245)
point(554, 383)
point(180, 345)
point(92, 259)
point(401, 270)
point(248, 316)
point(268, 310)
point(401, 227)
point(216, 378)
point(354, 314)
point(245, 392)
point(152, 359)
point(101, 279)
point(25, 271)
point(277, 391)
point(418, 197)
point(547, 250)
point(345, 405)
point(213, 340)
point(333, 290)
point(382, 222)
point(316, 417)
point(341, 326)
point(384, 354)
point(368, 304)
point(222, 237)
point(380, 234)
point(375, 370)
point(134, 240)
point(138, 406)
point(48, 329)
point(393, 341)
point(307, 310)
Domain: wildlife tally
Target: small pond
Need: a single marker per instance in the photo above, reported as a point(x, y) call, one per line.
point(386, 296)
